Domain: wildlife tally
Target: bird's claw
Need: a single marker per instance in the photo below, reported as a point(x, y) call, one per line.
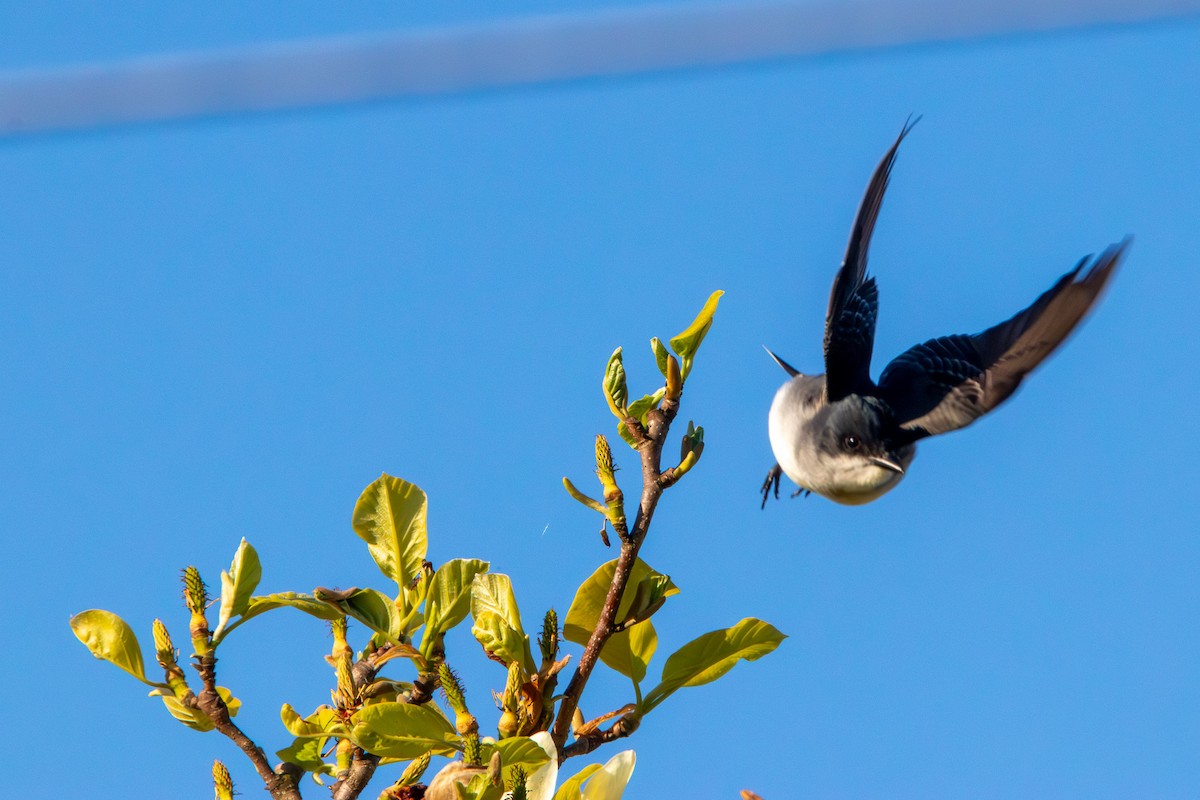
point(772, 480)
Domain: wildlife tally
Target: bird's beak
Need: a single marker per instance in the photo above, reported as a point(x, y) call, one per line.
point(887, 463)
point(788, 368)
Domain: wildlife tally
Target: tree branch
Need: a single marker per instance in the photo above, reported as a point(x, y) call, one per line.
point(362, 769)
point(658, 423)
point(281, 786)
point(589, 742)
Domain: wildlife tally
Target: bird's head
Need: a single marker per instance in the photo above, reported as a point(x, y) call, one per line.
point(862, 455)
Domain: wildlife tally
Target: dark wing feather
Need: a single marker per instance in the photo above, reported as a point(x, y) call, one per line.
point(854, 300)
point(948, 383)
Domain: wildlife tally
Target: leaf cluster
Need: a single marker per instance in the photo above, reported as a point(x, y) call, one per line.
point(375, 720)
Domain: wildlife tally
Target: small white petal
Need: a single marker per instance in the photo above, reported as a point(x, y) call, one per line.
point(609, 782)
point(540, 785)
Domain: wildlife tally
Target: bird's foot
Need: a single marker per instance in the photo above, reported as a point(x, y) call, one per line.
point(772, 481)
point(800, 491)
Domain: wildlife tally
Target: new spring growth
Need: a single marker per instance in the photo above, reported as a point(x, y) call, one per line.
point(548, 641)
point(195, 595)
point(615, 390)
point(495, 769)
point(344, 756)
point(510, 703)
point(516, 783)
point(687, 343)
point(472, 750)
point(464, 722)
point(168, 658)
point(222, 783)
point(413, 772)
point(613, 498)
point(690, 449)
point(342, 658)
point(649, 596)
point(548, 671)
point(674, 379)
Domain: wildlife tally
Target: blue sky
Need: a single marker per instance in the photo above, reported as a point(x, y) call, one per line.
point(229, 327)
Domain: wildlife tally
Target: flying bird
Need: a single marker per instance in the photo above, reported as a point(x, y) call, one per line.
point(851, 439)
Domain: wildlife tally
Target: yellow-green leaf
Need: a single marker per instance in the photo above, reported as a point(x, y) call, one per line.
point(449, 598)
point(639, 408)
point(687, 343)
point(306, 754)
point(643, 641)
point(710, 656)
point(660, 355)
point(619, 652)
point(110, 638)
point(518, 751)
point(320, 724)
point(301, 602)
point(237, 586)
point(194, 718)
point(402, 730)
point(390, 517)
point(615, 390)
point(500, 641)
point(492, 593)
point(372, 608)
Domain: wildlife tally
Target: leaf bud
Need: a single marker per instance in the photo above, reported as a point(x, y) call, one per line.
point(615, 390)
point(222, 782)
point(415, 769)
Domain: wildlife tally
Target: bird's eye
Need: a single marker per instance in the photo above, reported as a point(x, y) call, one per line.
point(851, 442)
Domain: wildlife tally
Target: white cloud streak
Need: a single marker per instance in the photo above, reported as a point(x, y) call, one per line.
point(521, 52)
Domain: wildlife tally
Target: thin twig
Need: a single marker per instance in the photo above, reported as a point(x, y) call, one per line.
point(589, 742)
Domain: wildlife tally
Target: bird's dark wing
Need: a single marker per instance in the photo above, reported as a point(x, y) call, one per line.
point(948, 383)
point(854, 301)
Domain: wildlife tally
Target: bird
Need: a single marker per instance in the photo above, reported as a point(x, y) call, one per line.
point(850, 439)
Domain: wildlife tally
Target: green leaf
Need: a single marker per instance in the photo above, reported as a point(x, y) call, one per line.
point(500, 641)
point(449, 598)
point(639, 408)
point(194, 718)
point(571, 788)
point(480, 787)
point(401, 730)
point(372, 608)
point(306, 754)
point(710, 656)
point(619, 652)
point(301, 602)
point(648, 597)
point(390, 517)
point(660, 355)
point(237, 585)
point(643, 641)
point(615, 390)
point(687, 343)
point(518, 751)
point(321, 724)
point(110, 638)
point(492, 593)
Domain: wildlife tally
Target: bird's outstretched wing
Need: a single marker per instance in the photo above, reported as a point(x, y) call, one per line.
point(853, 300)
point(948, 383)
